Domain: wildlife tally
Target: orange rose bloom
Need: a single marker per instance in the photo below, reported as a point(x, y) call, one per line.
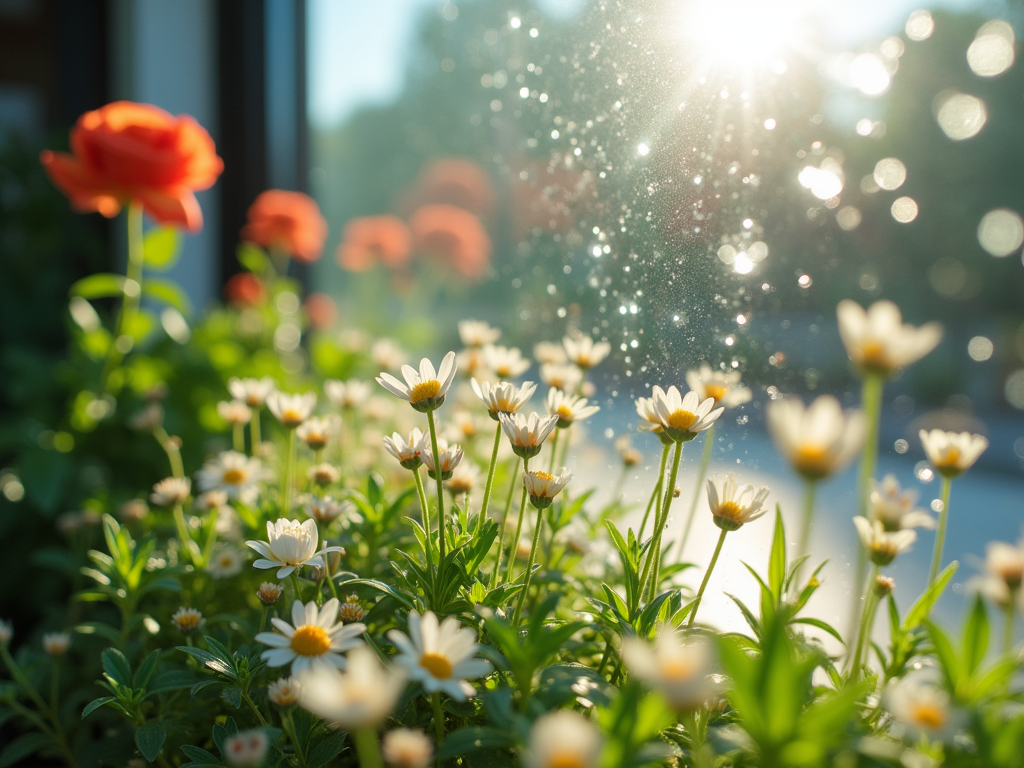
point(321, 310)
point(127, 151)
point(454, 235)
point(372, 239)
point(458, 182)
point(245, 290)
point(290, 221)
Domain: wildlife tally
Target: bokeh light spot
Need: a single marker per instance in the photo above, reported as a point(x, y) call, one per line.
point(960, 115)
point(992, 52)
point(904, 209)
point(848, 217)
point(890, 173)
point(920, 25)
point(869, 75)
point(980, 348)
point(1014, 389)
point(1001, 232)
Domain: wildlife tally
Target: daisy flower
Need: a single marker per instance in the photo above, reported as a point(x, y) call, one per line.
point(678, 668)
point(549, 352)
point(560, 376)
point(563, 739)
point(386, 353)
point(568, 408)
point(1003, 573)
point(733, 506)
point(187, 620)
point(290, 545)
point(291, 410)
point(323, 474)
point(234, 473)
point(894, 508)
point(234, 411)
point(878, 341)
point(56, 643)
point(584, 351)
point(316, 432)
point(313, 641)
point(723, 386)
point(505, 362)
point(682, 418)
point(440, 656)
point(407, 748)
point(465, 476)
point(882, 545)
point(226, 562)
point(360, 697)
point(475, 333)
point(952, 453)
point(171, 491)
point(503, 397)
point(407, 451)
point(818, 440)
point(448, 459)
point(424, 389)
point(283, 692)
point(326, 509)
point(347, 395)
point(252, 392)
point(542, 487)
point(527, 434)
point(922, 708)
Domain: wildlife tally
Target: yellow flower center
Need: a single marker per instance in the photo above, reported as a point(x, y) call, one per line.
point(565, 759)
point(677, 670)
point(873, 353)
point(188, 621)
point(311, 640)
point(291, 417)
point(503, 371)
point(425, 390)
point(437, 665)
point(730, 510)
point(812, 460)
point(544, 476)
point(717, 391)
point(233, 476)
point(564, 413)
point(681, 419)
point(950, 459)
point(928, 715)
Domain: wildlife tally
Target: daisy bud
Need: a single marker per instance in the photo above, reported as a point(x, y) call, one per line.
point(134, 510)
point(56, 643)
point(631, 457)
point(171, 491)
point(187, 620)
point(211, 500)
point(448, 459)
point(269, 592)
point(884, 586)
point(677, 492)
point(407, 748)
point(323, 475)
point(283, 692)
point(543, 487)
point(351, 611)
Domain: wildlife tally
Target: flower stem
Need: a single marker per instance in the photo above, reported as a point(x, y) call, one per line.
point(519, 525)
point(554, 451)
point(940, 536)
point(810, 490)
point(653, 564)
point(707, 578)
point(871, 402)
point(254, 432)
point(296, 586)
point(705, 459)
point(435, 701)
point(867, 620)
point(172, 450)
point(132, 294)
point(490, 480)
point(425, 508)
point(504, 525)
point(183, 535)
point(529, 567)
point(238, 437)
point(368, 748)
point(440, 487)
point(1010, 620)
point(289, 472)
point(656, 492)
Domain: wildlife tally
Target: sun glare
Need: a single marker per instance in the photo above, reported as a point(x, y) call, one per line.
point(743, 34)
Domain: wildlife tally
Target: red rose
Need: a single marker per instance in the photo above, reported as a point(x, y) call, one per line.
point(290, 221)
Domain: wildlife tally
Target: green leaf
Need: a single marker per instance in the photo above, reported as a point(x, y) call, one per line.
point(233, 696)
point(95, 704)
point(22, 747)
point(99, 286)
point(116, 665)
point(150, 739)
point(145, 670)
point(327, 750)
point(160, 248)
point(820, 625)
point(169, 292)
point(945, 653)
point(976, 636)
point(252, 258)
point(777, 561)
point(467, 740)
point(920, 610)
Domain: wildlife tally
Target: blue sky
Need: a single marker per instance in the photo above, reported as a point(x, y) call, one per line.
point(356, 47)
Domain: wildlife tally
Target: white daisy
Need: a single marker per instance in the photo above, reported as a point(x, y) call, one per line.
point(360, 697)
point(252, 392)
point(440, 655)
point(407, 748)
point(291, 410)
point(952, 453)
point(234, 473)
point(565, 377)
point(283, 692)
point(386, 353)
point(527, 433)
point(313, 641)
point(1003, 573)
point(503, 397)
point(723, 386)
point(877, 340)
point(449, 458)
point(683, 417)
point(290, 545)
point(545, 352)
point(733, 506)
point(922, 708)
point(326, 509)
point(171, 491)
point(407, 451)
point(187, 620)
point(505, 362)
point(463, 479)
point(568, 408)
point(882, 545)
point(819, 440)
point(234, 412)
point(323, 474)
point(226, 562)
point(584, 351)
point(424, 389)
point(563, 739)
point(894, 508)
point(347, 395)
point(678, 667)
point(316, 432)
point(475, 333)
point(56, 643)
point(542, 487)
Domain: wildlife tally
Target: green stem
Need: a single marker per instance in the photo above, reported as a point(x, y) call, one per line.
point(1010, 620)
point(705, 459)
point(183, 535)
point(296, 586)
point(940, 536)
point(252, 705)
point(440, 487)
point(871, 402)
point(368, 748)
point(425, 509)
point(490, 481)
point(435, 701)
point(504, 523)
point(289, 472)
point(810, 490)
point(866, 622)
point(254, 431)
point(519, 525)
point(529, 567)
point(327, 566)
point(656, 493)
point(238, 436)
point(653, 564)
point(131, 296)
point(55, 729)
point(554, 451)
point(707, 578)
point(170, 447)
